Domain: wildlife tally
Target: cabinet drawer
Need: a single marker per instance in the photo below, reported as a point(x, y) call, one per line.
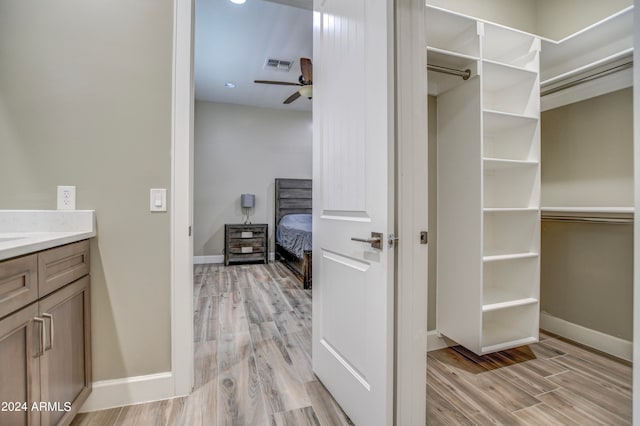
point(62, 265)
point(243, 234)
point(253, 245)
point(18, 283)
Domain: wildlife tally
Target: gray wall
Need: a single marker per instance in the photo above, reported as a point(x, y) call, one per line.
point(85, 100)
point(241, 149)
point(587, 152)
point(587, 160)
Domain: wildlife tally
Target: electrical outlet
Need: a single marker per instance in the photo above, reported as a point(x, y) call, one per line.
point(66, 197)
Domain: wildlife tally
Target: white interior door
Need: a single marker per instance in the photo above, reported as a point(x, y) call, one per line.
point(353, 197)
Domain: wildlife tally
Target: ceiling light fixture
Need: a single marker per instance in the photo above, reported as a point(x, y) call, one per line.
point(238, 1)
point(229, 85)
point(306, 91)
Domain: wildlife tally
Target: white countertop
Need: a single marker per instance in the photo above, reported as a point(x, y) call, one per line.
point(27, 231)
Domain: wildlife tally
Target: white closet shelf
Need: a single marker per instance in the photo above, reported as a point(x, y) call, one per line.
point(617, 56)
point(510, 344)
point(608, 37)
point(532, 73)
point(500, 76)
point(509, 115)
point(453, 32)
point(500, 120)
point(508, 304)
point(588, 209)
point(599, 214)
point(509, 256)
point(509, 209)
point(499, 163)
point(462, 58)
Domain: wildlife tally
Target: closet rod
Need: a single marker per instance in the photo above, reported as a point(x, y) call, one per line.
point(588, 78)
point(452, 71)
point(576, 219)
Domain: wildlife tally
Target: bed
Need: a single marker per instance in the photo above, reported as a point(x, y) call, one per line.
point(293, 226)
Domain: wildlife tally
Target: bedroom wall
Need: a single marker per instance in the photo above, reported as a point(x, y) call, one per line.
point(85, 100)
point(587, 160)
point(242, 149)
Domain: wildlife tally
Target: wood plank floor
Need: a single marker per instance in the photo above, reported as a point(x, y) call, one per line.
point(252, 328)
point(552, 382)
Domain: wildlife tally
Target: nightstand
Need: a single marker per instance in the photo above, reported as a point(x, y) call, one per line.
point(246, 243)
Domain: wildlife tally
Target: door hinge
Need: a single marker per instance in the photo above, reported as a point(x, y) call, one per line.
point(189, 231)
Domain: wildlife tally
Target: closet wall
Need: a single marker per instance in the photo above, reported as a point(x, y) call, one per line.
point(547, 18)
point(587, 160)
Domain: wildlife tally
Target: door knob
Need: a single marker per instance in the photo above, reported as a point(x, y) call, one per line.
point(375, 240)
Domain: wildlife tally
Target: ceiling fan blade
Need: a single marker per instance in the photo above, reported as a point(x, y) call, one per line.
point(307, 69)
point(292, 98)
point(282, 83)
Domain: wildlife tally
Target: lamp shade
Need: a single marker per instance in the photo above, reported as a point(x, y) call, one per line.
point(247, 200)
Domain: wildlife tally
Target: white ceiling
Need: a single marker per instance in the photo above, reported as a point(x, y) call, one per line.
point(233, 41)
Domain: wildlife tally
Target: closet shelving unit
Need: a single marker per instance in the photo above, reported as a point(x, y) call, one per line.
point(488, 182)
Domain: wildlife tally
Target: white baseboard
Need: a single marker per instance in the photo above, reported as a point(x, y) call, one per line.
point(219, 259)
point(435, 341)
point(594, 339)
point(129, 391)
point(199, 260)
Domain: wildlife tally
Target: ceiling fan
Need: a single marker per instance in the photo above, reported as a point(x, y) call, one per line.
point(305, 81)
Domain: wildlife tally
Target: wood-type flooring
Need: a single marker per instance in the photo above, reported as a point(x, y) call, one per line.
point(253, 367)
point(553, 382)
point(252, 328)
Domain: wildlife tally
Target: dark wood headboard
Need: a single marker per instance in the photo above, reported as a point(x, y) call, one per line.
point(292, 196)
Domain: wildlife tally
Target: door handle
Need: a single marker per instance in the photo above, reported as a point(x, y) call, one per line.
point(375, 240)
point(50, 317)
point(42, 336)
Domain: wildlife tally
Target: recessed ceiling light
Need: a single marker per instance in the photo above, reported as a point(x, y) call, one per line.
point(229, 85)
point(238, 1)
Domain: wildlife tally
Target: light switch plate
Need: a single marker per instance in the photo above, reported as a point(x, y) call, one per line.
point(158, 200)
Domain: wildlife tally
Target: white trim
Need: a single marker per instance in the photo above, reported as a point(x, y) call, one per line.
point(437, 341)
point(218, 259)
point(412, 212)
point(201, 260)
point(594, 339)
point(129, 391)
point(182, 358)
point(636, 229)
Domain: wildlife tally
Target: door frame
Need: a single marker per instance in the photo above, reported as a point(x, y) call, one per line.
point(182, 113)
point(411, 148)
point(636, 229)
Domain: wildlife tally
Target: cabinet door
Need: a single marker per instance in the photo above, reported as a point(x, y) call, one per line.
point(66, 363)
point(20, 347)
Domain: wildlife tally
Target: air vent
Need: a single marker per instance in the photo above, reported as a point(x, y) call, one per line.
point(277, 65)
